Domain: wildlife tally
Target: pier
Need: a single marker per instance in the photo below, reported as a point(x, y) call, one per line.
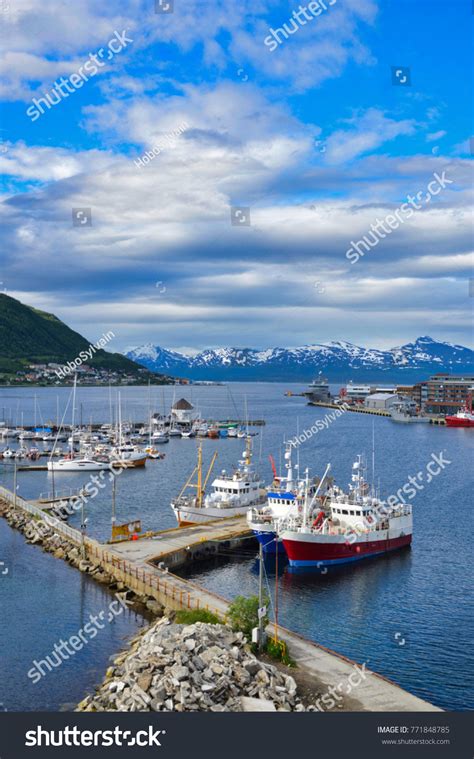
point(362, 410)
point(144, 567)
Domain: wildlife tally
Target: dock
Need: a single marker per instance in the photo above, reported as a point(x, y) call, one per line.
point(362, 410)
point(144, 567)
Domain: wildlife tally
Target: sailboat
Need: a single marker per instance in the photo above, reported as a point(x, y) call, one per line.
point(125, 453)
point(72, 462)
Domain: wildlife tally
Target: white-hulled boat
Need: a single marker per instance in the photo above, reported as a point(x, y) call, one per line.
point(160, 436)
point(72, 462)
point(231, 495)
point(125, 453)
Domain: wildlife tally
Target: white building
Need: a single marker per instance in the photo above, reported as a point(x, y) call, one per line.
point(357, 392)
point(381, 401)
point(182, 411)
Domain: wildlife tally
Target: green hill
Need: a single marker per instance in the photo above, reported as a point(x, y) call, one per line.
point(28, 336)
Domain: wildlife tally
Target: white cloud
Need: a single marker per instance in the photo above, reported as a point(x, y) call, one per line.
point(47, 164)
point(365, 132)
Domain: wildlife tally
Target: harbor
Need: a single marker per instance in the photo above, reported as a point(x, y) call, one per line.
point(137, 567)
point(203, 567)
point(443, 399)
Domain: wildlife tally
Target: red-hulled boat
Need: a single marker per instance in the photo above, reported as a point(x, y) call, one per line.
point(464, 418)
point(344, 527)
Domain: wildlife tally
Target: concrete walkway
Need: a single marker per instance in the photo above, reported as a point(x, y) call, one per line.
point(374, 693)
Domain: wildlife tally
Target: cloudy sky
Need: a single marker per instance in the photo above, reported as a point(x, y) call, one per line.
point(318, 136)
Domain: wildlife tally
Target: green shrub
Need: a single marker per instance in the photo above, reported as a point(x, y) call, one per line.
point(185, 617)
point(278, 650)
point(243, 614)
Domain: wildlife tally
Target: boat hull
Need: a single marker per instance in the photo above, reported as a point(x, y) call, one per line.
point(302, 551)
point(76, 466)
point(455, 421)
point(269, 542)
point(188, 516)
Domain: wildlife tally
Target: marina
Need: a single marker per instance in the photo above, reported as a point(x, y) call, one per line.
point(387, 595)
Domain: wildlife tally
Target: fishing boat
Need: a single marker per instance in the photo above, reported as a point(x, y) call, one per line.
point(188, 505)
point(463, 418)
point(345, 527)
point(231, 494)
point(285, 496)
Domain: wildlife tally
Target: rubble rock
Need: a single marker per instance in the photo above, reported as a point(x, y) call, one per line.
point(199, 667)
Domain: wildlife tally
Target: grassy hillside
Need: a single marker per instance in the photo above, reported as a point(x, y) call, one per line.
point(28, 335)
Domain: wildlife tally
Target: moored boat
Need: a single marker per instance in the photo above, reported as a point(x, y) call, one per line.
point(231, 495)
point(282, 498)
point(346, 527)
point(463, 418)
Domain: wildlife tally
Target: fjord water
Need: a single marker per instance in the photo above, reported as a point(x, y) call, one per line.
point(406, 615)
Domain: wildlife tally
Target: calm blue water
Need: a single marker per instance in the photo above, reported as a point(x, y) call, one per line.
point(405, 614)
point(44, 600)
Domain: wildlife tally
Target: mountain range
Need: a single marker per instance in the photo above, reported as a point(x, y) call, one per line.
point(338, 361)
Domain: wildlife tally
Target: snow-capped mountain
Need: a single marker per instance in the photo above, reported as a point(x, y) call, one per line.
point(339, 361)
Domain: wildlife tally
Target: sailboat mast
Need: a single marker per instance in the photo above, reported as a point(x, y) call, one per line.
point(119, 420)
point(73, 420)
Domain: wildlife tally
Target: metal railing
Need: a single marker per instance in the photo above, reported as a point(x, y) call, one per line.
point(169, 588)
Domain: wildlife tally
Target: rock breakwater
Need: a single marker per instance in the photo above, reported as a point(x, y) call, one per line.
point(198, 667)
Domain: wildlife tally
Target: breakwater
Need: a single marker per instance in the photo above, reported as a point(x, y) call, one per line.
point(197, 667)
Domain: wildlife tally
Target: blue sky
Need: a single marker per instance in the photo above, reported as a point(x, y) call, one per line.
point(313, 136)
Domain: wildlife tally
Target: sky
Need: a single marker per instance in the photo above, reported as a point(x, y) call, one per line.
point(322, 133)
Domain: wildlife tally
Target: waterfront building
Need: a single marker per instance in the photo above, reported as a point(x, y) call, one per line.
point(182, 411)
point(356, 393)
point(381, 401)
point(446, 393)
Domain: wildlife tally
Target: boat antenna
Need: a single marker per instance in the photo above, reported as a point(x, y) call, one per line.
point(298, 448)
point(373, 455)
